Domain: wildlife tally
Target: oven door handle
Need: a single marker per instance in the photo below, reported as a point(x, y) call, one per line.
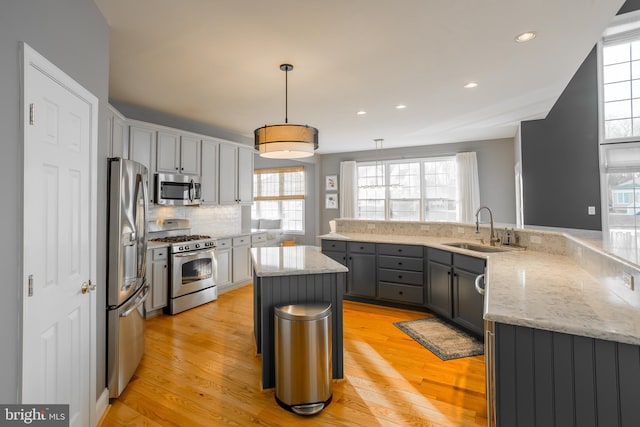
point(194, 254)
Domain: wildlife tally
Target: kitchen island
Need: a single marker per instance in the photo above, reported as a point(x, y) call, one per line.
point(562, 336)
point(294, 275)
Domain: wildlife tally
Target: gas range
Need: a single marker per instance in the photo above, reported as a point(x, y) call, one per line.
point(187, 243)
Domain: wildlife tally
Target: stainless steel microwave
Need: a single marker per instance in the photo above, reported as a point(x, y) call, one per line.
point(177, 189)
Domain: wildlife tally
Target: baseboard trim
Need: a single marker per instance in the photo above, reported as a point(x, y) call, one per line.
point(226, 288)
point(102, 404)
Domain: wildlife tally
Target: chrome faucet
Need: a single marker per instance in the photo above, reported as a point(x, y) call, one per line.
point(492, 236)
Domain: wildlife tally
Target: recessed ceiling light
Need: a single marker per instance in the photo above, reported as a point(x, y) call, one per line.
point(361, 113)
point(401, 106)
point(525, 37)
point(471, 85)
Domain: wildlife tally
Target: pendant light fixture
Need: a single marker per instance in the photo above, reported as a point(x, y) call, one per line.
point(286, 141)
point(379, 171)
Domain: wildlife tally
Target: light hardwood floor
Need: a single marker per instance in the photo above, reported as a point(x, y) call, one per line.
point(200, 369)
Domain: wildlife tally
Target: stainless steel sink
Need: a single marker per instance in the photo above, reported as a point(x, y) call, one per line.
point(482, 248)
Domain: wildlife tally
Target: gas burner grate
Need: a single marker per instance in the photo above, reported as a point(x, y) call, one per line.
point(179, 239)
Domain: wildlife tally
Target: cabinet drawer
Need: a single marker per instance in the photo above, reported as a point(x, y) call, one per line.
point(442, 257)
point(475, 265)
point(223, 243)
point(402, 250)
point(242, 240)
point(334, 245)
point(160, 253)
point(361, 247)
point(258, 238)
point(401, 293)
point(400, 263)
point(400, 276)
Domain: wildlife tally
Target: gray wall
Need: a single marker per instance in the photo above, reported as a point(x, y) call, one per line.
point(560, 157)
point(311, 205)
point(73, 35)
point(561, 177)
point(495, 172)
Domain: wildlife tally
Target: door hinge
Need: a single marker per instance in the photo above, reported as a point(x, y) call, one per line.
point(30, 286)
point(32, 108)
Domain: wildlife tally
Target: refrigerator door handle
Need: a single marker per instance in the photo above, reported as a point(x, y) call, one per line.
point(137, 304)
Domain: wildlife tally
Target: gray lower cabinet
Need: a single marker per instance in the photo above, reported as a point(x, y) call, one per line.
point(158, 278)
point(543, 378)
point(361, 261)
point(336, 250)
point(401, 273)
point(468, 304)
point(451, 291)
point(241, 259)
point(274, 291)
point(439, 288)
point(413, 276)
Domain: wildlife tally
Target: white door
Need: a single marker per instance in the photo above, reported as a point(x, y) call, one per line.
point(60, 139)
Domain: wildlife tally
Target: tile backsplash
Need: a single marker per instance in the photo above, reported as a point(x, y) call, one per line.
point(211, 220)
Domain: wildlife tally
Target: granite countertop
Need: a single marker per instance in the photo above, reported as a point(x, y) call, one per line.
point(155, 244)
point(293, 260)
point(538, 290)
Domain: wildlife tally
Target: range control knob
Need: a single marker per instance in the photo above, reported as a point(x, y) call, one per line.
point(197, 245)
point(181, 248)
point(186, 248)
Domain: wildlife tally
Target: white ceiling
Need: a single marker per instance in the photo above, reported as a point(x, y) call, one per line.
point(217, 62)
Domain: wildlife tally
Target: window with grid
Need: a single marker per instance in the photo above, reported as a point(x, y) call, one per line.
point(279, 193)
point(408, 190)
point(441, 199)
point(371, 191)
point(621, 88)
point(404, 191)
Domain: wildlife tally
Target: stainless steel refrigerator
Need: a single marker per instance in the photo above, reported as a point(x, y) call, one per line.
point(127, 288)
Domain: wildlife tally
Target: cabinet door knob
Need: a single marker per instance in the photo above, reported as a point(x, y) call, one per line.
point(400, 292)
point(399, 276)
point(399, 263)
point(399, 250)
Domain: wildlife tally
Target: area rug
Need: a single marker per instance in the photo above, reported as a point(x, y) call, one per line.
point(442, 339)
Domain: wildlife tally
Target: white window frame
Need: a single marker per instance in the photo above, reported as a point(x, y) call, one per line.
point(386, 164)
point(623, 27)
point(282, 198)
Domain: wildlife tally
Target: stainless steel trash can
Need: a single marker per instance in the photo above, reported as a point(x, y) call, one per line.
point(303, 357)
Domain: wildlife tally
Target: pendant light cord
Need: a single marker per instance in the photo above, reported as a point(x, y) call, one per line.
point(286, 95)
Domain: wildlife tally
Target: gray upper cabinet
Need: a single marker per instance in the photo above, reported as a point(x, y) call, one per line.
point(142, 149)
point(245, 176)
point(178, 153)
point(209, 175)
point(236, 175)
point(190, 152)
point(118, 134)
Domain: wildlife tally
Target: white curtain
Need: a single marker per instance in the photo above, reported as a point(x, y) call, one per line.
point(468, 186)
point(348, 189)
